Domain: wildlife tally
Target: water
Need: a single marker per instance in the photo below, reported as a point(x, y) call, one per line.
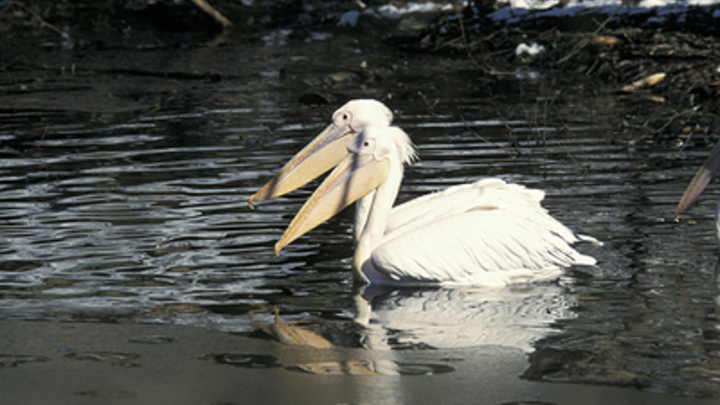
point(124, 180)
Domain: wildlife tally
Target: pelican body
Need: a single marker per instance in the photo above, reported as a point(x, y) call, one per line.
point(484, 233)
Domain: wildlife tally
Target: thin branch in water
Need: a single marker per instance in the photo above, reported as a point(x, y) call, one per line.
point(671, 119)
point(43, 22)
point(207, 8)
point(488, 69)
point(511, 131)
point(582, 44)
point(475, 134)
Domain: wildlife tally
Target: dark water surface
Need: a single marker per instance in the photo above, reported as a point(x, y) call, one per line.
point(124, 181)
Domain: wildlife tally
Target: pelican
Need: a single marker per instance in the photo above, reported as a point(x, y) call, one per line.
point(485, 233)
point(698, 184)
point(327, 149)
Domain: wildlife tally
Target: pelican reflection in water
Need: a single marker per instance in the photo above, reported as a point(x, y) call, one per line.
point(438, 318)
point(484, 233)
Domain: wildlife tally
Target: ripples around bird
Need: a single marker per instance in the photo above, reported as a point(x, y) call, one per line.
point(142, 217)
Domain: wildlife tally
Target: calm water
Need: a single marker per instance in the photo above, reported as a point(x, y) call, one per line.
point(123, 190)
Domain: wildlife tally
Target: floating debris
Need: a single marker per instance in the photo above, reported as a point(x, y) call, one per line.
point(644, 82)
point(292, 334)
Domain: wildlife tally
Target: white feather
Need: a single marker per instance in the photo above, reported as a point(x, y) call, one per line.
point(481, 246)
point(484, 233)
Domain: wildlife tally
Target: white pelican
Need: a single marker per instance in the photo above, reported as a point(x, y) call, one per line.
point(698, 184)
point(326, 151)
point(485, 233)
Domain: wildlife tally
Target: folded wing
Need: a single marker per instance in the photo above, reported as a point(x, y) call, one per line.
point(488, 232)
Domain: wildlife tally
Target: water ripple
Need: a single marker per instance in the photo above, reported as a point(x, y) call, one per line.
point(143, 217)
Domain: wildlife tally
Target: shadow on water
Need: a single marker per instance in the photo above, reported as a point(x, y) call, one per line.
point(123, 197)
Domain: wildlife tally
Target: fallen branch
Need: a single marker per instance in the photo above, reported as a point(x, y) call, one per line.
point(43, 22)
point(584, 43)
point(204, 6)
point(644, 82)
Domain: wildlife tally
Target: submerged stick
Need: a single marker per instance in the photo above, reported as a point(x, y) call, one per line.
point(37, 16)
point(204, 6)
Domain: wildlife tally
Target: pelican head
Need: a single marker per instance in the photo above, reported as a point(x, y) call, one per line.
point(374, 157)
point(327, 149)
point(700, 181)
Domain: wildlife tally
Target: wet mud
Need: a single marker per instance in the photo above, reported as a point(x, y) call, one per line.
point(206, 367)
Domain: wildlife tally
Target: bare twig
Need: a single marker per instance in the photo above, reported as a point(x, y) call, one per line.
point(673, 118)
point(582, 44)
point(510, 131)
point(475, 134)
point(204, 6)
point(43, 22)
point(487, 69)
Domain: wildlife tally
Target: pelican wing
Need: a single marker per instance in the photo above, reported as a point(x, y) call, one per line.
point(489, 193)
point(502, 238)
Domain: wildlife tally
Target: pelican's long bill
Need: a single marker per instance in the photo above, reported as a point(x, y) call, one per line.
point(319, 156)
point(352, 179)
point(701, 179)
